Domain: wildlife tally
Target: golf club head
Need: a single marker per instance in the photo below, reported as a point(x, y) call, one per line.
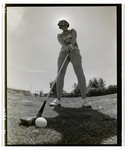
point(28, 120)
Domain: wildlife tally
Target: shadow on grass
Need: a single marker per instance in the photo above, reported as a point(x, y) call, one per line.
point(82, 126)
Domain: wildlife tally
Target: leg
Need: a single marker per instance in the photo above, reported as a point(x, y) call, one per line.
point(60, 80)
point(77, 65)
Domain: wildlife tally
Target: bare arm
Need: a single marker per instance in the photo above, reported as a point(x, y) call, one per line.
point(62, 42)
point(74, 35)
point(73, 40)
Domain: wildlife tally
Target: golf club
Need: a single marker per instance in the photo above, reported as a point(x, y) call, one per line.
point(31, 120)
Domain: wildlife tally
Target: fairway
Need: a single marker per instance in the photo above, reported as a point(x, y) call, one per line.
point(69, 124)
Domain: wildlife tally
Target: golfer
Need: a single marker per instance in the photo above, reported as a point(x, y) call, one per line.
point(67, 39)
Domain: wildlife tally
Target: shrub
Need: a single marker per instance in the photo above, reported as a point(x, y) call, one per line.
point(95, 91)
point(36, 94)
point(101, 91)
point(112, 89)
point(27, 93)
point(76, 90)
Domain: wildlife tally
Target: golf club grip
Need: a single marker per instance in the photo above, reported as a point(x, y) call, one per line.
point(39, 114)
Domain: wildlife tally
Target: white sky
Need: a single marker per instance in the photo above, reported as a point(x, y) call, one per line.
point(33, 49)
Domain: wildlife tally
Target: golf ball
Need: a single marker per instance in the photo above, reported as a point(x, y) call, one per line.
point(41, 122)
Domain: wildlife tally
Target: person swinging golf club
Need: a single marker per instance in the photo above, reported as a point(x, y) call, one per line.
point(69, 45)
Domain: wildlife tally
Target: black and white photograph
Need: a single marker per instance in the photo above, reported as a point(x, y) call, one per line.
point(63, 75)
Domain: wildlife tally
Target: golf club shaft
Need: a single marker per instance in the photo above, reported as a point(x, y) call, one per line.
point(39, 114)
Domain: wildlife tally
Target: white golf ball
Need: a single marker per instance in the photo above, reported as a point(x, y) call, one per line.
point(41, 122)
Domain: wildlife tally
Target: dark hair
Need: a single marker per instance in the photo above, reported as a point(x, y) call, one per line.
point(63, 22)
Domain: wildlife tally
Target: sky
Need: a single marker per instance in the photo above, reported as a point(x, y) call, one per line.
point(33, 48)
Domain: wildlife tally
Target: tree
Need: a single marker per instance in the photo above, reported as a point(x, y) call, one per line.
point(96, 87)
point(101, 83)
point(41, 93)
point(96, 83)
point(76, 90)
point(74, 86)
point(112, 89)
point(93, 83)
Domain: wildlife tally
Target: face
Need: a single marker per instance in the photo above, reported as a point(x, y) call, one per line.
point(63, 27)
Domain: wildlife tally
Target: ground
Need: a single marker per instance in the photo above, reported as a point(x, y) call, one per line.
point(69, 124)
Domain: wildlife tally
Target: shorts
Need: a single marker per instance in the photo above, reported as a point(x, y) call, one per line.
point(75, 52)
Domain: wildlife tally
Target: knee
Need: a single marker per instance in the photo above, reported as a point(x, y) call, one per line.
point(77, 67)
point(61, 74)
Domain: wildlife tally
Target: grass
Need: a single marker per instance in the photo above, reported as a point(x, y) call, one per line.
point(70, 124)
